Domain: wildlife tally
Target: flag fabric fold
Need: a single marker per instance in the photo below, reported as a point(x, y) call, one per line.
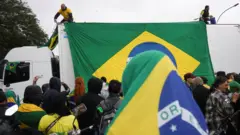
point(53, 40)
point(12, 98)
point(29, 115)
point(156, 100)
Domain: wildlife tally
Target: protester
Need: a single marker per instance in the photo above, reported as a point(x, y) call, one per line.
point(220, 106)
point(221, 73)
point(66, 13)
point(234, 86)
point(6, 122)
point(114, 91)
point(237, 78)
point(205, 16)
point(109, 106)
point(188, 80)
point(200, 93)
point(91, 100)
point(152, 88)
point(12, 98)
point(55, 84)
point(58, 115)
point(29, 113)
point(45, 87)
point(75, 96)
point(230, 77)
point(205, 82)
point(104, 91)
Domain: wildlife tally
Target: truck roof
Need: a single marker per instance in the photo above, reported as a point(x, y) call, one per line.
point(29, 53)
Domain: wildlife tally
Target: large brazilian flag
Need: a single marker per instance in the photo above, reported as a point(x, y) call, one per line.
point(104, 49)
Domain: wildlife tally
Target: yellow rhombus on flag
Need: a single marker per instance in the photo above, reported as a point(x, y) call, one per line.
point(114, 67)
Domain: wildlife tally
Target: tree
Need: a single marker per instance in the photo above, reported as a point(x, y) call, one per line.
point(18, 26)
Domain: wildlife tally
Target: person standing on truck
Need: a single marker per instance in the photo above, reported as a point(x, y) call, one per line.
point(66, 13)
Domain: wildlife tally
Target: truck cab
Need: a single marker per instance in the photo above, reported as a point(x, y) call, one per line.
point(22, 64)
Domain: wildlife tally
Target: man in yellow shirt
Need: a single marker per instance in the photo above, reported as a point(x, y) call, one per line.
point(66, 13)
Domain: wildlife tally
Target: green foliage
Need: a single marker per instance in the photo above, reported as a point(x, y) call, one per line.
point(18, 26)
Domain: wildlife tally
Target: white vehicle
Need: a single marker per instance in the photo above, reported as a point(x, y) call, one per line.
point(22, 64)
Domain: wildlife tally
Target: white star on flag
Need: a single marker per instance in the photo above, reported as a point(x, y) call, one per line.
point(173, 128)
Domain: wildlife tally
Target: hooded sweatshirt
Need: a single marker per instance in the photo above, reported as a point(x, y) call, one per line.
point(55, 84)
point(91, 100)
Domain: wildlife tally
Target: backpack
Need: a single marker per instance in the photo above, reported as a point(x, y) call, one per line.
point(106, 111)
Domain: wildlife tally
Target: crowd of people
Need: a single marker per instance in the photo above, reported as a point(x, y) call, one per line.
point(43, 106)
point(219, 103)
point(48, 110)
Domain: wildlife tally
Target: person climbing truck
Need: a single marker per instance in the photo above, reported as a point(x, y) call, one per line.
point(66, 13)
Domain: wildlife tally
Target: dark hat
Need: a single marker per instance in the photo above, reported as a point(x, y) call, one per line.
point(188, 75)
point(33, 95)
point(2, 96)
point(221, 73)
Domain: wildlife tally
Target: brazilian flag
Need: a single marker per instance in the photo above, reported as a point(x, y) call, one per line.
point(104, 49)
point(12, 66)
point(53, 41)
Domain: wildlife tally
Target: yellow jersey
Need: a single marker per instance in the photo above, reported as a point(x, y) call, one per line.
point(63, 125)
point(65, 13)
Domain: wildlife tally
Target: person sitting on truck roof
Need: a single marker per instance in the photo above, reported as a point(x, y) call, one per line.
point(205, 14)
point(66, 13)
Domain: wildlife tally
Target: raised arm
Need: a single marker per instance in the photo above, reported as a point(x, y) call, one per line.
point(56, 16)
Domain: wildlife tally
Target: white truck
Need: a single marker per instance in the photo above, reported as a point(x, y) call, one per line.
point(223, 40)
point(31, 61)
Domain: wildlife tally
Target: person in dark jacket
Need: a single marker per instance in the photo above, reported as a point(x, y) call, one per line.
point(108, 107)
point(114, 96)
point(55, 84)
point(45, 87)
point(5, 121)
point(188, 77)
point(200, 94)
point(91, 100)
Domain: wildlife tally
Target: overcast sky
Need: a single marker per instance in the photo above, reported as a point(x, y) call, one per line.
point(133, 10)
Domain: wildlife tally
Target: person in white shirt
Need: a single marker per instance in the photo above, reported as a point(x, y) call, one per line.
point(104, 91)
